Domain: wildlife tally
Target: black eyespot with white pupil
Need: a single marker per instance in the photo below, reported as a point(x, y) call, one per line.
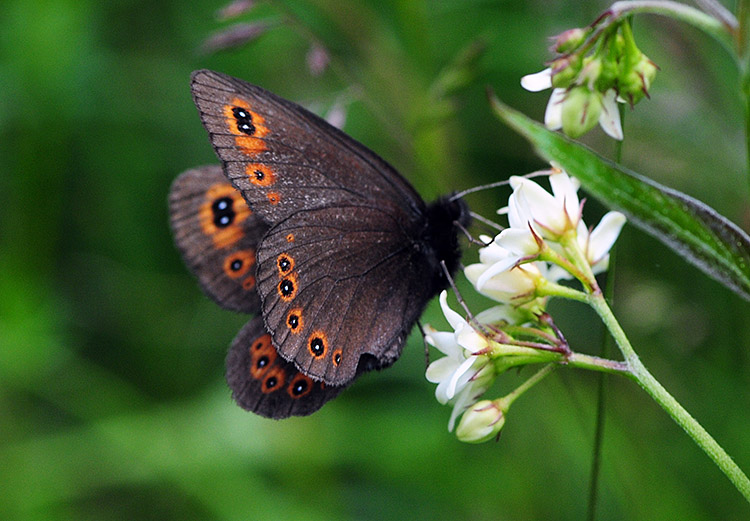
point(236, 265)
point(286, 287)
point(259, 175)
point(284, 264)
point(299, 387)
point(223, 212)
point(271, 382)
point(262, 362)
point(244, 121)
point(317, 346)
point(293, 321)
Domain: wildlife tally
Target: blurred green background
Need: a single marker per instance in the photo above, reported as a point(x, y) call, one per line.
point(113, 404)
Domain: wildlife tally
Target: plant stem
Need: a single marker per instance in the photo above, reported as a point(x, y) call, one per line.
point(721, 30)
point(646, 380)
point(528, 384)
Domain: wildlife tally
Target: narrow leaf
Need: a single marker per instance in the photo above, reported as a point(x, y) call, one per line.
point(694, 230)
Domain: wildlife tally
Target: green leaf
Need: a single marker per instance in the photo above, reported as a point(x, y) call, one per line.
point(697, 232)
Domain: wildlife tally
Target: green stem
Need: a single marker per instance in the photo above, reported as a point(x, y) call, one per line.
point(646, 380)
point(528, 384)
point(596, 363)
point(722, 31)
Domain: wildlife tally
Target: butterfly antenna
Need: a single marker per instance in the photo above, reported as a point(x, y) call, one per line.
point(486, 221)
point(496, 184)
point(459, 195)
point(468, 235)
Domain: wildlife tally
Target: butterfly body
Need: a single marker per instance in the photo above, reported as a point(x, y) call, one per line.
point(345, 254)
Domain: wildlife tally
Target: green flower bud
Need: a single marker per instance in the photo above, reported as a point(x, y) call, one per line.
point(580, 111)
point(634, 82)
point(482, 422)
point(565, 71)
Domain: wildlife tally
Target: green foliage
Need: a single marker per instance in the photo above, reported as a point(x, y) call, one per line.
point(112, 398)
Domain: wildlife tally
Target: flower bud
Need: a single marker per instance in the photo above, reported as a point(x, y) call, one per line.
point(482, 422)
point(635, 82)
point(565, 70)
point(580, 111)
point(570, 40)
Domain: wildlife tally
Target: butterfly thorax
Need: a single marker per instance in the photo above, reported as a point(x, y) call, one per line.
point(445, 218)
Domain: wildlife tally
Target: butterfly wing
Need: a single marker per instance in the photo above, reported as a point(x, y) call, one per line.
point(265, 383)
point(341, 288)
point(217, 235)
point(285, 159)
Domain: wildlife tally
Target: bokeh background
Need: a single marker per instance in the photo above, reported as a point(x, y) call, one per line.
point(113, 404)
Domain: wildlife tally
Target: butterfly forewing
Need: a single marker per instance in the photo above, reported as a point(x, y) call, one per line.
point(285, 159)
point(217, 235)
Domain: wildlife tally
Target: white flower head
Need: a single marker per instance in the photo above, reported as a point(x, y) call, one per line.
point(460, 365)
point(463, 375)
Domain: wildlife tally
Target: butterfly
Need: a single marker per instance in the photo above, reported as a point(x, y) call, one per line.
point(327, 242)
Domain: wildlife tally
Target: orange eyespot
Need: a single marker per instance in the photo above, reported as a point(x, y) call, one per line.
point(317, 344)
point(260, 174)
point(300, 386)
point(290, 237)
point(285, 263)
point(273, 380)
point(287, 287)
point(294, 320)
point(273, 198)
point(221, 214)
point(239, 263)
point(248, 126)
point(262, 356)
point(248, 283)
point(336, 357)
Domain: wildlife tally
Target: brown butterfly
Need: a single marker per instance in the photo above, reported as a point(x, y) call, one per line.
point(337, 250)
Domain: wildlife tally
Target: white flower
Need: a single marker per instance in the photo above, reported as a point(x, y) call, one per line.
point(550, 215)
point(609, 118)
point(500, 274)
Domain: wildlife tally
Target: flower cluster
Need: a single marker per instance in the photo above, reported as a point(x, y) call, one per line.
point(587, 86)
point(546, 242)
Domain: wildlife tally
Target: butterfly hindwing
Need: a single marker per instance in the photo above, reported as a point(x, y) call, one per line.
point(266, 384)
point(284, 159)
point(339, 284)
point(217, 234)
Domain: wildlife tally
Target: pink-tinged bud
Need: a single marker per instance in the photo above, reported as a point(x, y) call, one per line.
point(570, 40)
point(317, 59)
point(234, 36)
point(234, 9)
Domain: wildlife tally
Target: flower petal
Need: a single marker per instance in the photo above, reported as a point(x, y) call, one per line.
point(538, 81)
point(454, 319)
point(604, 235)
point(553, 113)
point(609, 119)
